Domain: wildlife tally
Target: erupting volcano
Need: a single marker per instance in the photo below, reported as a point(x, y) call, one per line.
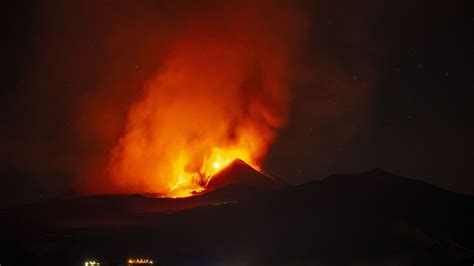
point(221, 95)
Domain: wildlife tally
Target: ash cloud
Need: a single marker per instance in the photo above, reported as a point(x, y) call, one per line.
point(93, 62)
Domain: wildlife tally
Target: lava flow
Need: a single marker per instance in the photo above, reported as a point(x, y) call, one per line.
point(221, 94)
point(191, 182)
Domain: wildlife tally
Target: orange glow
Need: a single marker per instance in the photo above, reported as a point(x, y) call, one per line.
point(221, 95)
point(190, 182)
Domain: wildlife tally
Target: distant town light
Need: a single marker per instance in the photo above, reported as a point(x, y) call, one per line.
point(139, 261)
point(92, 263)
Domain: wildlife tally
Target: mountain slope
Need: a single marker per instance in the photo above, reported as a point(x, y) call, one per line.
point(373, 218)
point(239, 172)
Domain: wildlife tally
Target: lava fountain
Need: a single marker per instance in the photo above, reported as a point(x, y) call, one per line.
point(221, 95)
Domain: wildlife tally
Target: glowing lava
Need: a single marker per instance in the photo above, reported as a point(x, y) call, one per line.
point(221, 94)
point(190, 182)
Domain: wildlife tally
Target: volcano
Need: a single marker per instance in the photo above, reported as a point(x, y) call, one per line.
point(239, 172)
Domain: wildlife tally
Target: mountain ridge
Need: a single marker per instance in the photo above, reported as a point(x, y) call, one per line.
point(371, 217)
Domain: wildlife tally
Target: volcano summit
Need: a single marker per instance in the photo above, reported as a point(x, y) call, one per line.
point(239, 172)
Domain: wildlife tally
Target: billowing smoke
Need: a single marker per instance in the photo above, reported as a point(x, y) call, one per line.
point(134, 96)
point(221, 95)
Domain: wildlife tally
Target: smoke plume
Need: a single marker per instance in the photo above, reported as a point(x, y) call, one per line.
point(156, 96)
point(221, 95)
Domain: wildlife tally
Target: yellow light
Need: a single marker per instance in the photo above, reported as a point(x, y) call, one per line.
point(216, 165)
point(140, 261)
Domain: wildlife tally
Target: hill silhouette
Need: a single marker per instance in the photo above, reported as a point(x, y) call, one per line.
point(370, 218)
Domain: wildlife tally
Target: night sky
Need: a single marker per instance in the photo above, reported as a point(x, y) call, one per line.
point(378, 84)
